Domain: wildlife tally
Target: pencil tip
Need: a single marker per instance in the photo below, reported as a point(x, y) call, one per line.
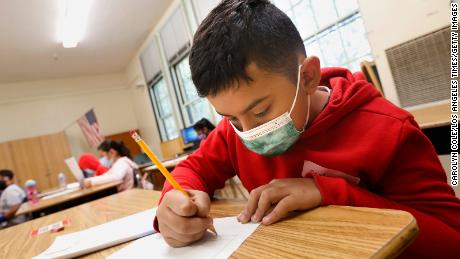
point(213, 229)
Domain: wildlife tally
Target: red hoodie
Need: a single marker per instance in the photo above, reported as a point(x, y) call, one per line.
point(361, 151)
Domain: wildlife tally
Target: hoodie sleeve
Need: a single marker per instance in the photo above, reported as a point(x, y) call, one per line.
point(415, 182)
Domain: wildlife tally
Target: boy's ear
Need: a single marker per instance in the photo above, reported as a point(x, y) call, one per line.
point(310, 74)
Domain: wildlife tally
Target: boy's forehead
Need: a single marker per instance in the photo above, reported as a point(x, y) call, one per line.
point(242, 92)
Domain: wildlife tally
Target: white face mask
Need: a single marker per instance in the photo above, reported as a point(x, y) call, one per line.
point(276, 136)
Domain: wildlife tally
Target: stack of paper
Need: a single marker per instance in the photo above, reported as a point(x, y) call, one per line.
point(101, 236)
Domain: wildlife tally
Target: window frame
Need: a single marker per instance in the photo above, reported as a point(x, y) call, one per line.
point(161, 125)
point(341, 21)
point(182, 101)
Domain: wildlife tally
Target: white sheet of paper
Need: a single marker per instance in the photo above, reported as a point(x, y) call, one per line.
point(74, 168)
point(231, 234)
point(101, 236)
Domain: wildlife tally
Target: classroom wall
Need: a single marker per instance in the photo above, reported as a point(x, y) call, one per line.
point(29, 109)
point(392, 22)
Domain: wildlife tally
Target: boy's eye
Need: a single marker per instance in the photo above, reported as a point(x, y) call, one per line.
point(261, 114)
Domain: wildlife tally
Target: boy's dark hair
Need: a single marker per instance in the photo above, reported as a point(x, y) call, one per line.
point(104, 146)
point(203, 123)
point(236, 33)
point(7, 173)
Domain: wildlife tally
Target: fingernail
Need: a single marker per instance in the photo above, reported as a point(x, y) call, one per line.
point(266, 220)
point(254, 218)
point(243, 217)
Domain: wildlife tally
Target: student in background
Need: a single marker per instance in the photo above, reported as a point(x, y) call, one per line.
point(103, 150)
point(122, 168)
point(300, 137)
point(203, 128)
point(11, 199)
point(91, 166)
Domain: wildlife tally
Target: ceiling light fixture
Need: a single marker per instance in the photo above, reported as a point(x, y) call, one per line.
point(73, 17)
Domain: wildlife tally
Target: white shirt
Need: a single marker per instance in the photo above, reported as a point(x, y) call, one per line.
point(122, 169)
point(12, 196)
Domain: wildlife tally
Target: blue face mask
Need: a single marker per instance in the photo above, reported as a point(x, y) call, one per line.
point(105, 162)
point(276, 136)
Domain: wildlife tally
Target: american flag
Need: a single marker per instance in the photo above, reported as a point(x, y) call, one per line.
point(90, 128)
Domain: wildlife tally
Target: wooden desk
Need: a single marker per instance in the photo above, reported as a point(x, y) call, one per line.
point(331, 231)
point(15, 242)
point(433, 116)
point(56, 201)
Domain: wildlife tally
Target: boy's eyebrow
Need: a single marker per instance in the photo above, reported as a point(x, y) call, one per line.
point(254, 104)
point(249, 107)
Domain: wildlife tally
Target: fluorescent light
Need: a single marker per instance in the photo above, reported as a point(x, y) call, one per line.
point(73, 17)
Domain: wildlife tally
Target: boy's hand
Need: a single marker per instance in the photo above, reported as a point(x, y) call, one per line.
point(288, 195)
point(182, 221)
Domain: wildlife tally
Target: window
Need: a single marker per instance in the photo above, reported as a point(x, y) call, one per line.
point(193, 107)
point(333, 30)
point(163, 110)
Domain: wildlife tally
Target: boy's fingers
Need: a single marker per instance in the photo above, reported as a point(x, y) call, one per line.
point(179, 238)
point(280, 211)
point(186, 225)
point(173, 242)
point(202, 202)
point(251, 206)
point(179, 203)
point(268, 197)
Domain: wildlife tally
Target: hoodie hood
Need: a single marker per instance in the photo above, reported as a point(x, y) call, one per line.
point(350, 92)
point(89, 161)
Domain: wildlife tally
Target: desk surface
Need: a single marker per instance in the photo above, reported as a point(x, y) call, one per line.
point(42, 204)
point(332, 231)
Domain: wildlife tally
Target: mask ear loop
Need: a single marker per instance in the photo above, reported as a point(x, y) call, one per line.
point(296, 91)
point(308, 113)
point(295, 99)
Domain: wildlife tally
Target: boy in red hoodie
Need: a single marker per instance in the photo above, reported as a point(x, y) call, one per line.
point(299, 136)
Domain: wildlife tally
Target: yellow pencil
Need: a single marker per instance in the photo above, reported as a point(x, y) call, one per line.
point(160, 166)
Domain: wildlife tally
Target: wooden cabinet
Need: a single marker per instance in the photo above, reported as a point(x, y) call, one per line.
point(127, 140)
point(55, 149)
point(39, 158)
point(6, 158)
